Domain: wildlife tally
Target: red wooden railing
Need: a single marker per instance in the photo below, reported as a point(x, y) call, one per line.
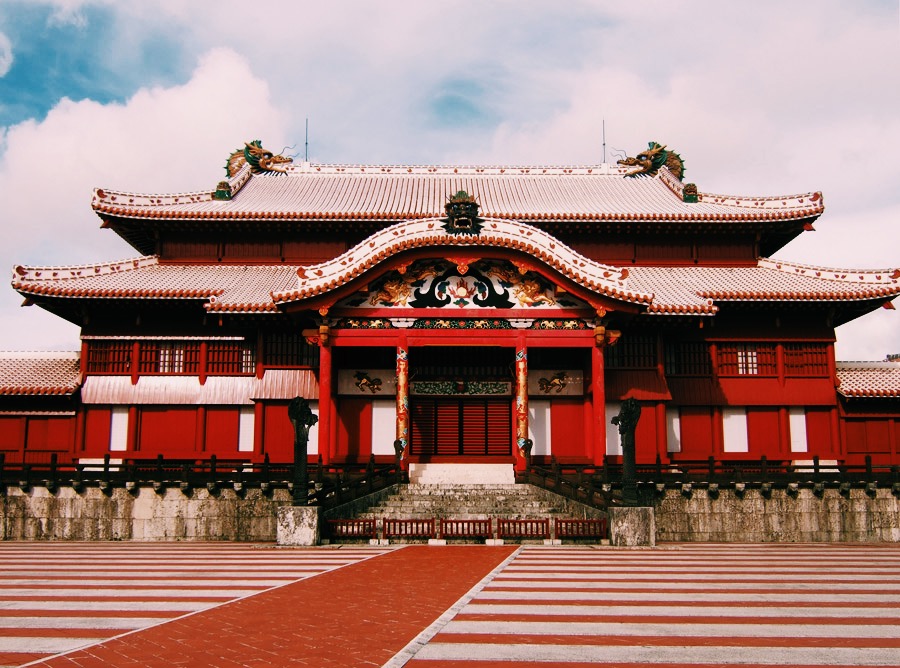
point(466, 528)
point(581, 529)
point(396, 528)
point(355, 528)
point(534, 528)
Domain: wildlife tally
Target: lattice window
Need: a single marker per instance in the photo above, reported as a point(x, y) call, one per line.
point(169, 357)
point(230, 358)
point(806, 359)
point(688, 358)
point(109, 357)
point(289, 350)
point(747, 359)
point(632, 352)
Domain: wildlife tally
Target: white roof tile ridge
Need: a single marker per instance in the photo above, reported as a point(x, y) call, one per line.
point(849, 365)
point(54, 273)
point(886, 276)
point(40, 354)
point(602, 169)
point(813, 199)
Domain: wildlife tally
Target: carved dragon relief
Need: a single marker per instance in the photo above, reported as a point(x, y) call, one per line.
point(649, 161)
point(486, 284)
point(259, 159)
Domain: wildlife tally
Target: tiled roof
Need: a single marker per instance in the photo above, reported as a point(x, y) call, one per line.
point(380, 192)
point(43, 373)
point(696, 289)
point(869, 379)
point(599, 278)
point(259, 288)
point(223, 287)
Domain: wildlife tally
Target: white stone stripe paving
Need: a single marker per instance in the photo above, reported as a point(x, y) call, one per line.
point(47, 622)
point(732, 605)
point(685, 630)
point(532, 608)
point(10, 584)
point(52, 593)
point(534, 654)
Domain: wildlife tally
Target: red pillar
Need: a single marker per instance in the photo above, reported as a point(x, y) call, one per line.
point(662, 433)
point(784, 433)
point(132, 441)
point(200, 431)
point(326, 403)
point(258, 425)
point(599, 402)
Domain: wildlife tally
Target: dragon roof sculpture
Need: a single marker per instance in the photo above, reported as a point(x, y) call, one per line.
point(260, 159)
point(649, 161)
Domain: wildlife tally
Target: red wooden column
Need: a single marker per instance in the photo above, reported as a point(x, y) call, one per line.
point(326, 399)
point(521, 400)
point(598, 395)
point(403, 393)
point(662, 432)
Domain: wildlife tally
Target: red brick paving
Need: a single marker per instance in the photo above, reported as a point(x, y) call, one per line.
point(358, 615)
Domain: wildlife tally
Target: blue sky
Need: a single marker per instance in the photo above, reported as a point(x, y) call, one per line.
point(762, 98)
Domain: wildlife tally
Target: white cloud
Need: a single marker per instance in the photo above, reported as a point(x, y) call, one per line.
point(6, 54)
point(160, 140)
point(763, 99)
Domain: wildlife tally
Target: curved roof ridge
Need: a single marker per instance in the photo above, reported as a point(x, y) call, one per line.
point(598, 169)
point(23, 274)
point(321, 278)
point(809, 200)
point(887, 275)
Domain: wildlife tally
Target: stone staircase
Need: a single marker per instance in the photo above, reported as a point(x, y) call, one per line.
point(468, 502)
point(475, 502)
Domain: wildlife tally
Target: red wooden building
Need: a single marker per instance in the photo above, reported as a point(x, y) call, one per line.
point(468, 312)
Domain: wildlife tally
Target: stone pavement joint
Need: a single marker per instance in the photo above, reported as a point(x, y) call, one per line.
point(358, 615)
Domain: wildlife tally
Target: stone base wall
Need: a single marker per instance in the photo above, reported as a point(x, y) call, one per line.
point(36, 514)
point(806, 518)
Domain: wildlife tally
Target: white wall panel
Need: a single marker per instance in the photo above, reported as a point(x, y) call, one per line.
point(797, 420)
point(613, 441)
point(673, 430)
point(118, 429)
point(246, 422)
point(734, 425)
point(539, 426)
point(384, 426)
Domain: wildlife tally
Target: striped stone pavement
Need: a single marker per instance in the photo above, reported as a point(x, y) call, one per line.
point(56, 597)
point(680, 605)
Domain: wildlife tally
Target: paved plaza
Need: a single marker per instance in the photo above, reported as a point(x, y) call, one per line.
point(227, 604)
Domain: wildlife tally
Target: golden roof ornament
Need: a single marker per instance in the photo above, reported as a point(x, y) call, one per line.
point(649, 161)
point(259, 159)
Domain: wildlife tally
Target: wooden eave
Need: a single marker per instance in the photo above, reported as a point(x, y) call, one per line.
point(142, 232)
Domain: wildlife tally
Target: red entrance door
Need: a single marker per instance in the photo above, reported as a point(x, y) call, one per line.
point(453, 426)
